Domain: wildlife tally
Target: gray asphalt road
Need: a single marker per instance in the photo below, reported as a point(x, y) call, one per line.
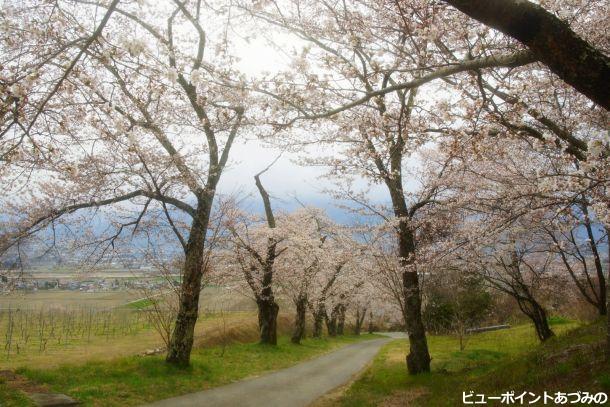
point(296, 386)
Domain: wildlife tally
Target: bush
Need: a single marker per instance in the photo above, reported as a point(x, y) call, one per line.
point(463, 305)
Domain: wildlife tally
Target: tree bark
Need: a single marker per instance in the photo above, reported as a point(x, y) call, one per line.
point(267, 307)
point(542, 324)
point(551, 41)
point(360, 315)
point(319, 314)
point(331, 323)
point(418, 359)
point(181, 341)
point(537, 314)
point(341, 320)
point(267, 320)
point(608, 300)
point(601, 279)
point(299, 320)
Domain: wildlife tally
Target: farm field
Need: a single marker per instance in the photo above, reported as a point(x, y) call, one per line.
point(123, 342)
point(212, 299)
point(63, 299)
point(47, 327)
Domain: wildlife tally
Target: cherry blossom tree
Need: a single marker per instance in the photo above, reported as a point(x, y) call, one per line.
point(551, 39)
point(144, 120)
point(33, 72)
point(255, 250)
point(581, 255)
point(515, 264)
point(369, 69)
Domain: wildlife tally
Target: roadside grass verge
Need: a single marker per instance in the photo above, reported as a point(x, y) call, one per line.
point(135, 380)
point(492, 363)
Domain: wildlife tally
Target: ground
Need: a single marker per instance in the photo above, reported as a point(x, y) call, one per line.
point(135, 380)
point(52, 326)
point(107, 369)
point(492, 363)
point(296, 386)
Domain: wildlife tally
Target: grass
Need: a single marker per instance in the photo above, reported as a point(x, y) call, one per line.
point(140, 304)
point(10, 397)
point(135, 380)
point(492, 363)
point(210, 330)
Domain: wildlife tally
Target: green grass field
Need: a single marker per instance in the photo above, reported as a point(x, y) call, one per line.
point(135, 380)
point(492, 363)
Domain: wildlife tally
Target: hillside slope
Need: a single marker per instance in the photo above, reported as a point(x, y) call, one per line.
point(492, 363)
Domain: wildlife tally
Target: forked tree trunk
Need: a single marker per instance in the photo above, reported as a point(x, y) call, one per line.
point(267, 321)
point(341, 320)
point(331, 323)
point(537, 314)
point(319, 314)
point(181, 341)
point(371, 326)
point(267, 307)
point(360, 315)
point(299, 320)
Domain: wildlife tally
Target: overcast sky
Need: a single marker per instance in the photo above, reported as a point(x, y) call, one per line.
point(286, 180)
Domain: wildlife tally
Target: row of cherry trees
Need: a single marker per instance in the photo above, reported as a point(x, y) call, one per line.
point(132, 107)
point(306, 259)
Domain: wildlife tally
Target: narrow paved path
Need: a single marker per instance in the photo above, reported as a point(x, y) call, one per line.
point(295, 386)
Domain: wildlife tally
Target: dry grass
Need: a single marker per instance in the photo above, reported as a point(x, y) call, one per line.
point(210, 331)
point(404, 398)
point(65, 299)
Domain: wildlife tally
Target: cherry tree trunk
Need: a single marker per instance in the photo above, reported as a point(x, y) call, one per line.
point(608, 303)
point(601, 279)
point(551, 40)
point(299, 320)
point(418, 359)
point(331, 323)
point(181, 341)
point(541, 323)
point(267, 320)
point(537, 314)
point(608, 319)
point(341, 320)
point(318, 321)
point(360, 315)
point(267, 307)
